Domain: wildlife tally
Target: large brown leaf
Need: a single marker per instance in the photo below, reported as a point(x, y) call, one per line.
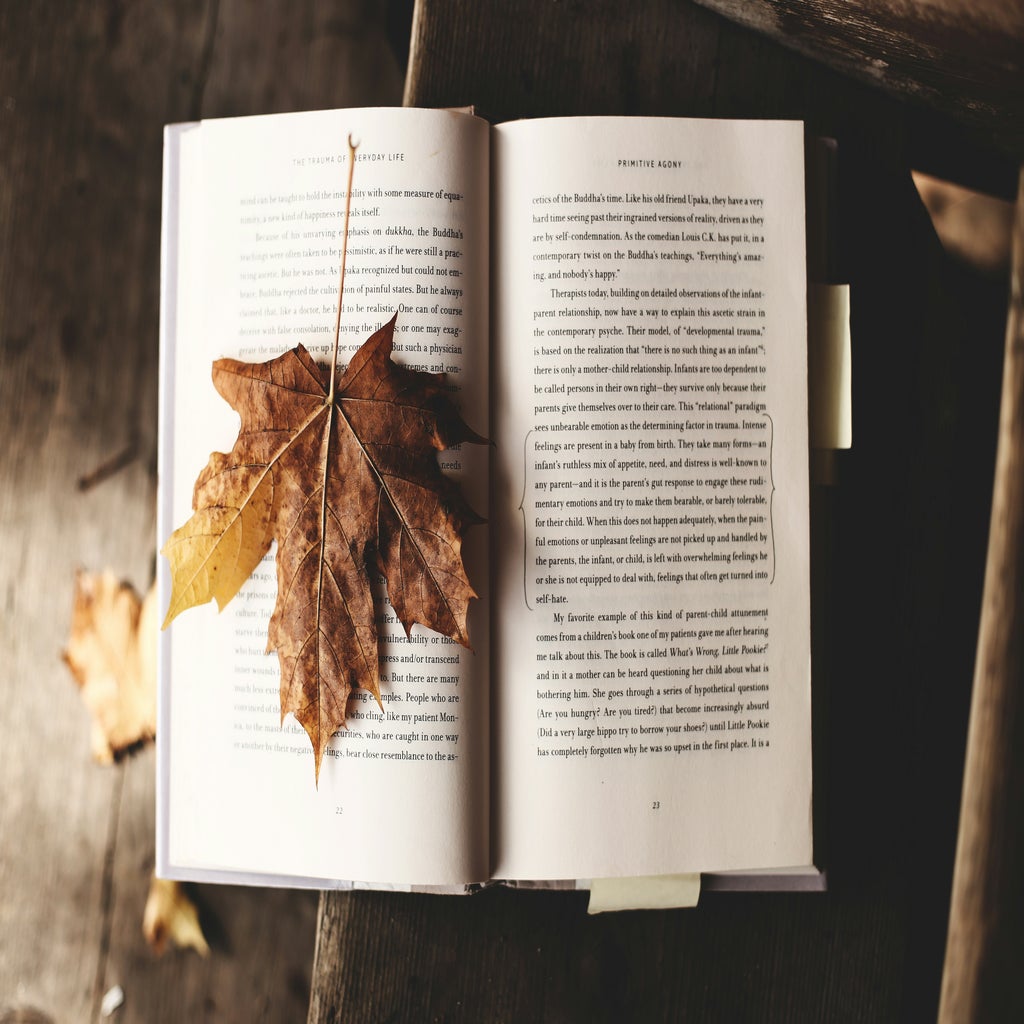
point(341, 485)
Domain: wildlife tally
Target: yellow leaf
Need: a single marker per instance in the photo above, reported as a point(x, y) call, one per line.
point(171, 915)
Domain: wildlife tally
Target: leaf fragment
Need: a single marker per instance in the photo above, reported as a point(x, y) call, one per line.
point(111, 652)
point(171, 916)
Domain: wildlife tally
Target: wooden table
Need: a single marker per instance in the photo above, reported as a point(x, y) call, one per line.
point(905, 538)
point(84, 90)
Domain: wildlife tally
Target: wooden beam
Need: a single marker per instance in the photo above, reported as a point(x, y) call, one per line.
point(981, 979)
point(962, 59)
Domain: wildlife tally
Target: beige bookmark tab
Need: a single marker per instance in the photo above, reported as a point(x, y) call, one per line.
point(658, 892)
point(830, 390)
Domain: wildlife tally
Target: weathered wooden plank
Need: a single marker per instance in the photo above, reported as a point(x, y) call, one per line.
point(312, 55)
point(79, 185)
point(963, 59)
point(986, 927)
point(261, 940)
point(511, 956)
point(85, 89)
point(550, 60)
point(907, 534)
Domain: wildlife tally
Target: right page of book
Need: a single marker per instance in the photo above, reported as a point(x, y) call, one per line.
point(254, 222)
point(652, 636)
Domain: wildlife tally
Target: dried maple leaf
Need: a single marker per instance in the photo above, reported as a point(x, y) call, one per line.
point(340, 483)
point(171, 914)
point(111, 652)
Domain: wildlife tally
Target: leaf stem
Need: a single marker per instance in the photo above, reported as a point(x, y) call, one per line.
point(352, 147)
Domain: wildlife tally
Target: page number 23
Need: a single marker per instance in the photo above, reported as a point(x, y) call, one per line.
point(655, 805)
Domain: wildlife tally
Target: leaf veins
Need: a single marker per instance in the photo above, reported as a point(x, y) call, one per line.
point(341, 486)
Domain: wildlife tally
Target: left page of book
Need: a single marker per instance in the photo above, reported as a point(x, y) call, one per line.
point(253, 219)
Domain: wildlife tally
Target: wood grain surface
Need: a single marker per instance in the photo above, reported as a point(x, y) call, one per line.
point(905, 542)
point(963, 58)
point(85, 89)
point(981, 980)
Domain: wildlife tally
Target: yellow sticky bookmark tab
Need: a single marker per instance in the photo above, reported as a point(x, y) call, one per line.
point(830, 390)
point(654, 892)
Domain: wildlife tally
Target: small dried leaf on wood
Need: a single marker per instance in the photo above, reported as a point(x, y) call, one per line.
point(170, 915)
point(111, 652)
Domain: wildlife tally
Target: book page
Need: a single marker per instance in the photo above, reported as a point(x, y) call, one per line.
point(650, 498)
point(252, 265)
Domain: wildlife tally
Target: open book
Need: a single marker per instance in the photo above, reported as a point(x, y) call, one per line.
point(619, 305)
